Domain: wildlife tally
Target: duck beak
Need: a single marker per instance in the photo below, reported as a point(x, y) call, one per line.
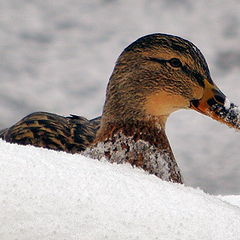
point(215, 105)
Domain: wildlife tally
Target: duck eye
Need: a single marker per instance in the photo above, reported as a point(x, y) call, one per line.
point(175, 62)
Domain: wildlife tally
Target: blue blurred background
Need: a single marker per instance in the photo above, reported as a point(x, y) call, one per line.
point(57, 56)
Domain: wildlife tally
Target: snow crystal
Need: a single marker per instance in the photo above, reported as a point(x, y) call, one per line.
point(227, 103)
point(157, 161)
point(54, 195)
point(230, 113)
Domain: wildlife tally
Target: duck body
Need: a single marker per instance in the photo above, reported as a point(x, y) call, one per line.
point(153, 77)
point(41, 129)
point(141, 145)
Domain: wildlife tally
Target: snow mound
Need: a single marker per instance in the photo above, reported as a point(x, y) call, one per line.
point(53, 195)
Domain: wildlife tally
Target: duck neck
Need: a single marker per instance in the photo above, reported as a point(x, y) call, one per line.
point(142, 144)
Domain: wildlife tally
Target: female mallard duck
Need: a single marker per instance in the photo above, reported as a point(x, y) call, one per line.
point(41, 129)
point(153, 77)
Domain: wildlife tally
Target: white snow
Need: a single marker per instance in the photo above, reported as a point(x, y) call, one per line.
point(227, 103)
point(52, 195)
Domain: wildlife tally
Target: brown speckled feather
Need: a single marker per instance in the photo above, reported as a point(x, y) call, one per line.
point(70, 134)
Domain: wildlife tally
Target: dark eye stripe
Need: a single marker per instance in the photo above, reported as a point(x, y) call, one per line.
point(196, 75)
point(158, 60)
point(199, 78)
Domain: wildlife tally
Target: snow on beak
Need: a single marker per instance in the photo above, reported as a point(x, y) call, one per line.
point(215, 105)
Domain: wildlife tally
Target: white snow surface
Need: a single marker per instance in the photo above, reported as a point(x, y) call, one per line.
point(57, 56)
point(53, 195)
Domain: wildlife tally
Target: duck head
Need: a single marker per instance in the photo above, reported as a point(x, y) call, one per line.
point(153, 77)
point(157, 75)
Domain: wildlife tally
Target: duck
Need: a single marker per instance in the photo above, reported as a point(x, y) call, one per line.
point(70, 134)
point(153, 77)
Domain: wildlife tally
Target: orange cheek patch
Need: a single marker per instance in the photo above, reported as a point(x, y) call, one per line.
point(163, 103)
